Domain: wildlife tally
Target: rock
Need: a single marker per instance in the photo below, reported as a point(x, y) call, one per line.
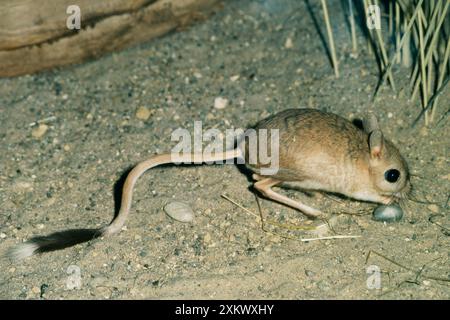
point(309, 273)
point(179, 211)
point(220, 103)
point(388, 213)
point(433, 208)
point(207, 238)
point(39, 131)
point(36, 290)
point(143, 113)
point(288, 44)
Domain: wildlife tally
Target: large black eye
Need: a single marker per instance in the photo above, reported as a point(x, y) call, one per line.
point(392, 175)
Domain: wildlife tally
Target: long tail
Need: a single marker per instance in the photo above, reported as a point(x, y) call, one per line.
point(68, 238)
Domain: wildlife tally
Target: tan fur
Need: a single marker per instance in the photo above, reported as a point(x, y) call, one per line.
point(323, 151)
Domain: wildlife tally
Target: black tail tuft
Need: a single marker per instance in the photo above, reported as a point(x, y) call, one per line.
point(54, 241)
point(64, 239)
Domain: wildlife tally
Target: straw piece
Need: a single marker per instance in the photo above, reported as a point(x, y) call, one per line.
point(330, 39)
point(329, 238)
point(397, 31)
point(423, 66)
point(402, 41)
point(271, 222)
point(263, 222)
point(430, 30)
point(435, 33)
point(406, 267)
point(352, 27)
point(441, 78)
point(384, 57)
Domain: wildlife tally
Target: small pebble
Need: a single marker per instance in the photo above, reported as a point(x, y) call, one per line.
point(2, 235)
point(207, 238)
point(388, 213)
point(433, 208)
point(220, 103)
point(310, 273)
point(39, 131)
point(423, 131)
point(288, 44)
point(143, 113)
point(179, 211)
point(275, 239)
point(234, 78)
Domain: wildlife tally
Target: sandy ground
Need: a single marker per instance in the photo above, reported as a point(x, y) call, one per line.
point(65, 178)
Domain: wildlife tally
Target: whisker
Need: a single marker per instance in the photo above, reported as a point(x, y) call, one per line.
point(412, 194)
point(417, 175)
point(404, 205)
point(414, 199)
point(392, 200)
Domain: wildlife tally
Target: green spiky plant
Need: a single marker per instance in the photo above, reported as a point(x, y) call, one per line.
point(417, 37)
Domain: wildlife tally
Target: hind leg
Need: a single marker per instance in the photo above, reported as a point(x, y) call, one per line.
point(264, 185)
point(257, 177)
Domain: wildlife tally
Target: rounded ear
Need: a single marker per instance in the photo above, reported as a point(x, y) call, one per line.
point(376, 143)
point(370, 123)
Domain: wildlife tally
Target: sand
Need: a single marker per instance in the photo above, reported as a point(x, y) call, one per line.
point(262, 57)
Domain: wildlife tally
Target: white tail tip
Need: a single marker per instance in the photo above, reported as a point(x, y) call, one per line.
point(22, 251)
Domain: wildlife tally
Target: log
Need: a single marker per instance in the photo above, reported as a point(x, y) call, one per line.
point(34, 35)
